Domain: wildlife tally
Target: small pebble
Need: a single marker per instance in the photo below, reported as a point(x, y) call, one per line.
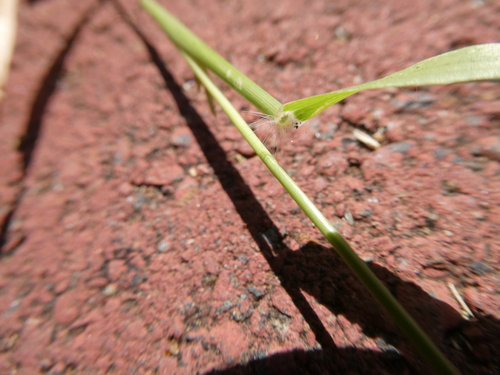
point(110, 290)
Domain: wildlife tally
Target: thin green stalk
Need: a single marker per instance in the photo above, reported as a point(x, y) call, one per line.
point(473, 63)
point(203, 54)
point(422, 342)
point(197, 52)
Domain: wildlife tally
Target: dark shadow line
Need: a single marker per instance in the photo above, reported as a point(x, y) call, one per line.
point(260, 224)
point(250, 210)
point(46, 91)
point(313, 362)
point(47, 88)
point(6, 224)
point(266, 235)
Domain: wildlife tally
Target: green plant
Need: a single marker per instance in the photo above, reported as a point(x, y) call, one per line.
point(472, 63)
point(481, 62)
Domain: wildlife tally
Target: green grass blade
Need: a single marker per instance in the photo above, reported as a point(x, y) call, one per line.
point(475, 63)
point(307, 108)
point(424, 345)
point(197, 49)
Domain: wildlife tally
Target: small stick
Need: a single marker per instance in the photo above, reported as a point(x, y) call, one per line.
point(467, 313)
point(366, 139)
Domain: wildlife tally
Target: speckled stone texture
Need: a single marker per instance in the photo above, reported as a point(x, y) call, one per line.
point(141, 235)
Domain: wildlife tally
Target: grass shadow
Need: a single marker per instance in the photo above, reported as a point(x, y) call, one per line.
point(48, 86)
point(320, 272)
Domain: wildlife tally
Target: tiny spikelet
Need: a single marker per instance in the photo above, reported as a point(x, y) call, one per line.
point(287, 120)
point(272, 130)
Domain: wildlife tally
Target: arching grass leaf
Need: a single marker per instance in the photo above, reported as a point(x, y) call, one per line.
point(475, 63)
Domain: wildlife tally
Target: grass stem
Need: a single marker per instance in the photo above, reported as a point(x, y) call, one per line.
point(410, 328)
point(185, 40)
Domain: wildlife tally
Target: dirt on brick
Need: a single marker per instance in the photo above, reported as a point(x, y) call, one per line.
point(141, 235)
